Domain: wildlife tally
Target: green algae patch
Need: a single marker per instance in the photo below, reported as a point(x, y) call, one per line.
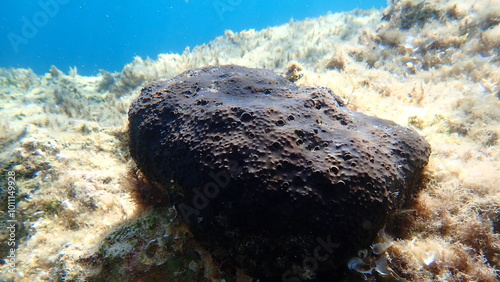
point(155, 247)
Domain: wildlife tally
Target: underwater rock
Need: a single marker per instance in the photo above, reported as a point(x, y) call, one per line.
point(153, 247)
point(281, 180)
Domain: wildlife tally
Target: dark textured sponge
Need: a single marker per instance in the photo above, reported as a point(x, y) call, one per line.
point(268, 174)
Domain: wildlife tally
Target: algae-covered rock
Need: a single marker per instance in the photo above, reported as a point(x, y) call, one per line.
point(155, 247)
point(281, 180)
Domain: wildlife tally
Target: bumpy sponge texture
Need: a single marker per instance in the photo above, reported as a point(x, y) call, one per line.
point(261, 168)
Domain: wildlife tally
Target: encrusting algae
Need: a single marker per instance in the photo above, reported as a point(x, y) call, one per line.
point(432, 65)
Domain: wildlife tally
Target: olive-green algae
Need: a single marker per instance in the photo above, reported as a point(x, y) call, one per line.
point(156, 246)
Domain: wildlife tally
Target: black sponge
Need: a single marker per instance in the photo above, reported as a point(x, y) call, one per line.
point(270, 176)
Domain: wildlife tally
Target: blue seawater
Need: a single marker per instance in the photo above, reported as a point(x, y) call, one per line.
point(94, 35)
